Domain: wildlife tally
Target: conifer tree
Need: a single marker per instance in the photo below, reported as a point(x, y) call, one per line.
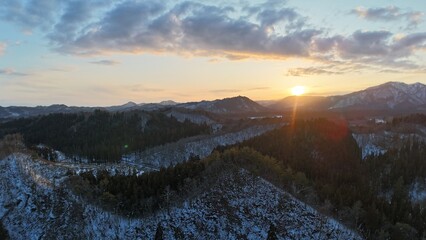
point(272, 233)
point(159, 233)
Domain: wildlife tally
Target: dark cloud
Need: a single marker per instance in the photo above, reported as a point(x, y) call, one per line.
point(271, 17)
point(380, 48)
point(75, 15)
point(106, 62)
point(190, 28)
point(269, 30)
point(30, 14)
point(11, 72)
point(390, 13)
point(361, 44)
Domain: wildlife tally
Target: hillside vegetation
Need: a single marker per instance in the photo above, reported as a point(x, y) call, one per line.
point(102, 136)
point(371, 194)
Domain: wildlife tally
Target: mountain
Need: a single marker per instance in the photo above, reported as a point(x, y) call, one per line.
point(123, 107)
point(168, 103)
point(238, 104)
point(18, 111)
point(391, 96)
point(388, 96)
point(303, 102)
point(228, 105)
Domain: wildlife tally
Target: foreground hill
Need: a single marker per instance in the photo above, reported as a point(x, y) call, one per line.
point(37, 201)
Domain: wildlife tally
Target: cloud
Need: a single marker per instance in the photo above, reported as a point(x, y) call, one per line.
point(390, 13)
point(191, 28)
point(106, 62)
point(2, 47)
point(269, 30)
point(63, 69)
point(258, 88)
point(31, 13)
point(311, 71)
point(141, 88)
point(380, 48)
point(220, 91)
point(11, 72)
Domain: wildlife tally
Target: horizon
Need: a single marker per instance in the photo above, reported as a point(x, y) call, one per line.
point(200, 100)
point(79, 54)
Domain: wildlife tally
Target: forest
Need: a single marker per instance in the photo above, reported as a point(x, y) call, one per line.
point(316, 160)
point(101, 136)
point(371, 195)
point(3, 232)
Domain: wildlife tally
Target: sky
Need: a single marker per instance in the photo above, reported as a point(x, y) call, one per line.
point(104, 52)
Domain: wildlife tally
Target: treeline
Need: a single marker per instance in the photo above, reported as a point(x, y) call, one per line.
point(102, 136)
point(326, 163)
point(137, 195)
point(316, 160)
point(322, 150)
point(134, 195)
point(413, 118)
point(3, 232)
point(10, 144)
point(391, 176)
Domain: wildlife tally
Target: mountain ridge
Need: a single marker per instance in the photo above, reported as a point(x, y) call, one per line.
point(389, 96)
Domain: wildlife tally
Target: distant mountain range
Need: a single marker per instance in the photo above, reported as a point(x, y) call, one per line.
point(18, 111)
point(391, 96)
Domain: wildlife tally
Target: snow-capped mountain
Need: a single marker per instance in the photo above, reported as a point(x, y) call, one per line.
point(394, 96)
point(391, 96)
point(227, 105)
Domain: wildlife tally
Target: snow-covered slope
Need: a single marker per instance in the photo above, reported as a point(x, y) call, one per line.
point(394, 96)
point(378, 142)
point(35, 203)
point(391, 95)
point(173, 153)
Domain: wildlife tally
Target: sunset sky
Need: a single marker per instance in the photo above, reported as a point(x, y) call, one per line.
point(104, 52)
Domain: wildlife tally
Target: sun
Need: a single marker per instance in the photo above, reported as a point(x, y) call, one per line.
point(298, 90)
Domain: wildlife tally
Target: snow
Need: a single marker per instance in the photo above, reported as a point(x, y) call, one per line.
point(173, 153)
point(418, 191)
point(390, 94)
point(370, 144)
point(380, 142)
point(36, 204)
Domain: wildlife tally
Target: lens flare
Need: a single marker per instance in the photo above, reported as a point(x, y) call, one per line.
point(298, 90)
